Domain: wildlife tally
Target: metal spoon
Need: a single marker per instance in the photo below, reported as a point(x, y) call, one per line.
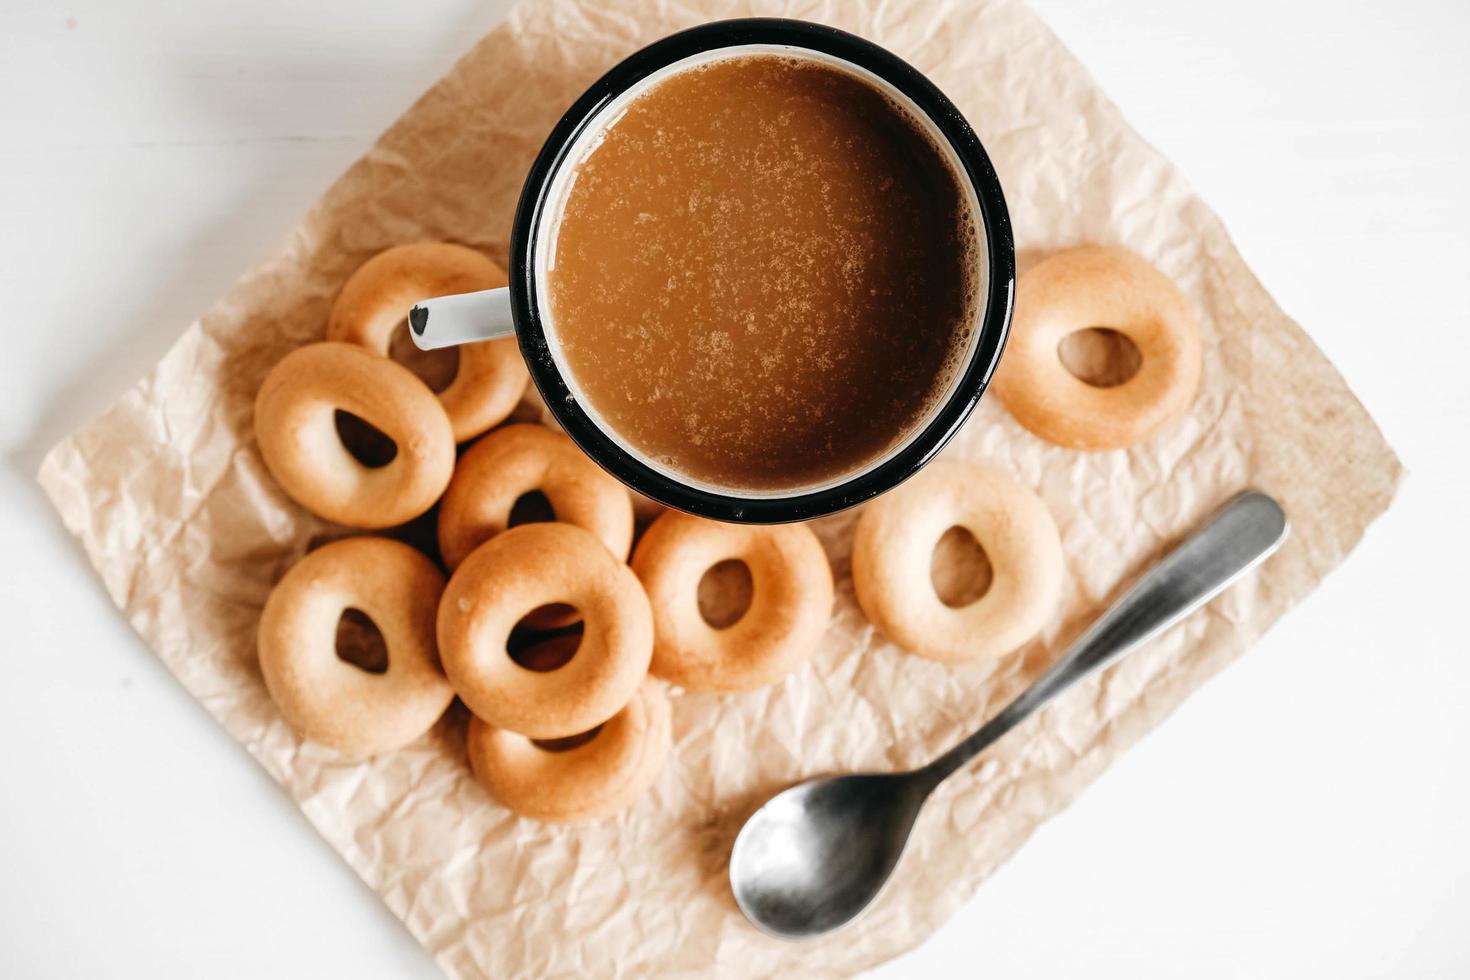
point(817, 854)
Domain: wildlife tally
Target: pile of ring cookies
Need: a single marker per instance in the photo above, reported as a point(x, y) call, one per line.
point(550, 633)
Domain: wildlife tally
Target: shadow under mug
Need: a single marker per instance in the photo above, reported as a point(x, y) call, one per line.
point(521, 307)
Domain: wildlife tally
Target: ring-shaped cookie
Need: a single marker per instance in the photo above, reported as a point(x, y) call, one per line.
point(329, 700)
point(1113, 288)
point(295, 426)
point(507, 577)
point(498, 469)
point(596, 779)
point(790, 603)
point(894, 546)
point(492, 376)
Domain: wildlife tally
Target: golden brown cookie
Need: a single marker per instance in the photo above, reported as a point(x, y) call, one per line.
point(1089, 287)
point(594, 778)
point(376, 299)
point(791, 601)
point(521, 570)
point(894, 546)
point(518, 459)
point(325, 698)
point(296, 429)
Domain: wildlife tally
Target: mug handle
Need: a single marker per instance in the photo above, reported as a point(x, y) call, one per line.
point(446, 321)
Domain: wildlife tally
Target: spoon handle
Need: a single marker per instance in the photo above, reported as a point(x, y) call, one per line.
point(1234, 540)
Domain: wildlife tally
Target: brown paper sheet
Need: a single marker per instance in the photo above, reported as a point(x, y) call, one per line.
point(169, 497)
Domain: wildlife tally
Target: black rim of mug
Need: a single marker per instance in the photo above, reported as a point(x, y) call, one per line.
point(994, 322)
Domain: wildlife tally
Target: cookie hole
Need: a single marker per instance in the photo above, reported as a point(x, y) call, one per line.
point(567, 743)
point(1099, 356)
point(959, 569)
point(435, 368)
point(543, 650)
point(725, 592)
point(367, 443)
point(531, 507)
point(360, 642)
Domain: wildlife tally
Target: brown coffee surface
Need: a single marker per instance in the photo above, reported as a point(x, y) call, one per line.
point(763, 274)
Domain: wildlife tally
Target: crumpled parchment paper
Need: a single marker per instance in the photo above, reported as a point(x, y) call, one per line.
point(169, 497)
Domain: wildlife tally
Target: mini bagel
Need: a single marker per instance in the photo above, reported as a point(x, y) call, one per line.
point(296, 429)
point(1088, 287)
point(790, 605)
point(376, 299)
point(523, 569)
point(515, 460)
point(894, 545)
point(323, 697)
point(592, 780)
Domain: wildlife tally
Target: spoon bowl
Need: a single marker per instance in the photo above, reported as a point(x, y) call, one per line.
point(816, 855)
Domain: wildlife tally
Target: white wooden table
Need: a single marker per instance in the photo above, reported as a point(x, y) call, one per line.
point(1305, 815)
